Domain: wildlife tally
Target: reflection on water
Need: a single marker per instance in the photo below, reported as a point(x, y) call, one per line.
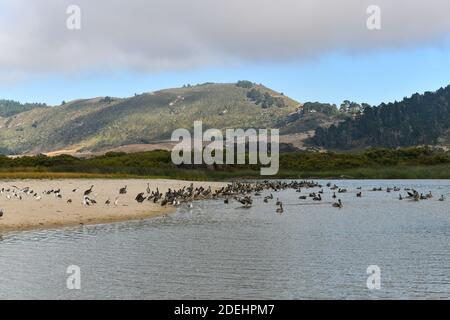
point(218, 251)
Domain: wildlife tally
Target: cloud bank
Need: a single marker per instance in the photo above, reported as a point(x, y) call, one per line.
point(159, 35)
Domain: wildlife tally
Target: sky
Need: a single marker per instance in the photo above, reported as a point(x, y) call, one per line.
point(312, 50)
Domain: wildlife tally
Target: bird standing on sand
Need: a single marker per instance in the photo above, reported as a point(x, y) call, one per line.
point(123, 190)
point(1, 213)
point(108, 202)
point(140, 197)
point(148, 188)
point(88, 191)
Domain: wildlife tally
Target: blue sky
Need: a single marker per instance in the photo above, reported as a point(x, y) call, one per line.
point(376, 77)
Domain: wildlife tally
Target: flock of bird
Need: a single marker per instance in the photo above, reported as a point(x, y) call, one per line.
point(241, 192)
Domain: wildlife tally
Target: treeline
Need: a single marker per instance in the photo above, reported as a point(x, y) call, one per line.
point(9, 108)
point(159, 162)
point(418, 120)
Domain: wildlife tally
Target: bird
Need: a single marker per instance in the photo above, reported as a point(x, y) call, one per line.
point(69, 201)
point(359, 194)
point(108, 202)
point(140, 197)
point(280, 209)
point(1, 213)
point(400, 197)
point(338, 204)
point(123, 190)
point(226, 201)
point(442, 198)
point(88, 191)
point(116, 201)
point(148, 188)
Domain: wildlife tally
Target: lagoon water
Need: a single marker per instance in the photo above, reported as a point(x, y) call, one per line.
point(218, 251)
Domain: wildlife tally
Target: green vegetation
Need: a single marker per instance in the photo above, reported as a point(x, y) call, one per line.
point(244, 84)
point(265, 99)
point(418, 120)
point(106, 122)
point(410, 163)
point(9, 108)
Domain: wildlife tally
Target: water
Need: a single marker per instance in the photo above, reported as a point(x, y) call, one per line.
point(218, 251)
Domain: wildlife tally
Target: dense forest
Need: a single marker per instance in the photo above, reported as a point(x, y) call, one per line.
point(9, 108)
point(422, 119)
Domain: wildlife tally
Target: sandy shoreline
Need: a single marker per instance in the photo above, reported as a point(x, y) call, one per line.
point(52, 212)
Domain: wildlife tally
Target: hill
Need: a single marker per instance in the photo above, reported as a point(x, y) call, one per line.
point(422, 119)
point(106, 123)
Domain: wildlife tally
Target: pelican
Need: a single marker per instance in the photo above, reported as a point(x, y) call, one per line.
point(69, 201)
point(123, 190)
point(442, 198)
point(148, 188)
point(88, 191)
point(338, 204)
point(280, 209)
point(359, 194)
point(140, 197)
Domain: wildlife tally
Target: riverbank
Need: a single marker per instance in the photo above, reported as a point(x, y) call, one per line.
point(375, 172)
point(45, 211)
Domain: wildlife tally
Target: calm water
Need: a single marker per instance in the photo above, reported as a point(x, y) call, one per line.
point(218, 251)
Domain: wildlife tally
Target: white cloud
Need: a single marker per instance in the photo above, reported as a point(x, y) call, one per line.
point(172, 34)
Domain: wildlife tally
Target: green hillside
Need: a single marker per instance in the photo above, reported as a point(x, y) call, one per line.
point(106, 122)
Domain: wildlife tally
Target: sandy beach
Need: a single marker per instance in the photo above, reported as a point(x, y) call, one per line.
point(48, 211)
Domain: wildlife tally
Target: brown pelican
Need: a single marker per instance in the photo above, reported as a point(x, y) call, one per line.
point(280, 209)
point(88, 191)
point(123, 190)
point(338, 204)
point(140, 197)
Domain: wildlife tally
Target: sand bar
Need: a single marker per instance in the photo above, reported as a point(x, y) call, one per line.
point(52, 212)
